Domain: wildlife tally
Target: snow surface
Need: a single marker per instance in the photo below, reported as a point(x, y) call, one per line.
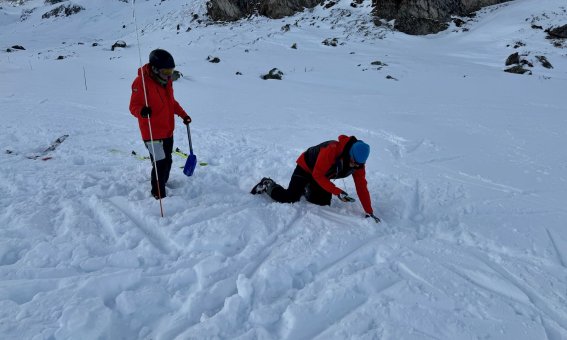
point(468, 171)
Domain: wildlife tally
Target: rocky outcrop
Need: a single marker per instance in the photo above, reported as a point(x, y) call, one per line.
point(558, 32)
point(227, 10)
point(281, 8)
point(426, 16)
point(63, 11)
point(231, 10)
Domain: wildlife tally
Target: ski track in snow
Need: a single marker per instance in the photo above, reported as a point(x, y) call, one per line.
point(472, 243)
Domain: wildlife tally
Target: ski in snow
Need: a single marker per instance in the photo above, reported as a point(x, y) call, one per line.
point(182, 154)
point(44, 154)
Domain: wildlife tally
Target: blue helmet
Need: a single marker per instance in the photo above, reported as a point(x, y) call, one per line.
point(360, 151)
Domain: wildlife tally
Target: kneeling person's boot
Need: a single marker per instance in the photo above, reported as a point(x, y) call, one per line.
point(264, 186)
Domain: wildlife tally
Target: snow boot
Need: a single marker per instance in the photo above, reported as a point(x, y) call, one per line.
point(263, 186)
point(156, 196)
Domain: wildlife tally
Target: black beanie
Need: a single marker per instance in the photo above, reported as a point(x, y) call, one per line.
point(161, 59)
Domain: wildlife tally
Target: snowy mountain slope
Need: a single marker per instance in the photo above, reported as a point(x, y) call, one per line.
point(467, 170)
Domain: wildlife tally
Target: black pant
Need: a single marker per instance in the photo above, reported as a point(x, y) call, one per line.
point(163, 168)
point(301, 183)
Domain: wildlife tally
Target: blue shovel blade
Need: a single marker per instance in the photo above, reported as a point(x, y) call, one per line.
point(190, 165)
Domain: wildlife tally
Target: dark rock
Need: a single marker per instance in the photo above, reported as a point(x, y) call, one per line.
point(559, 32)
point(238, 73)
point(231, 10)
point(425, 16)
point(390, 77)
point(273, 74)
point(537, 27)
point(285, 28)
point(518, 69)
point(63, 11)
point(330, 4)
point(294, 46)
point(214, 60)
point(53, 2)
point(459, 22)
point(378, 63)
point(512, 59)
point(526, 63)
point(226, 10)
point(94, 44)
point(544, 62)
point(60, 57)
point(276, 9)
point(419, 26)
point(18, 47)
point(331, 42)
point(119, 43)
point(519, 44)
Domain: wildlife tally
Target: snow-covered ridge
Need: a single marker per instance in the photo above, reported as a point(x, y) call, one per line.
point(467, 171)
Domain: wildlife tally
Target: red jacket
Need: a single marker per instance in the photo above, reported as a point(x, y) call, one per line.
point(160, 100)
point(330, 160)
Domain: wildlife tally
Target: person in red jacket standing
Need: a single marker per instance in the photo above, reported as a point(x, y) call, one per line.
point(158, 105)
point(315, 169)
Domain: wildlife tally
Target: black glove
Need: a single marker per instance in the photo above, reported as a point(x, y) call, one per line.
point(146, 112)
point(376, 219)
point(187, 120)
point(343, 196)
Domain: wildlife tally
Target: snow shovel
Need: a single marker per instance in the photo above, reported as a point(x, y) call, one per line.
point(191, 162)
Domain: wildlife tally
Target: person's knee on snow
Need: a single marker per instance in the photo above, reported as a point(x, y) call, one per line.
point(317, 195)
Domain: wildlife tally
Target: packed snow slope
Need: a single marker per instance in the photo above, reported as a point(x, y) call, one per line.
point(468, 171)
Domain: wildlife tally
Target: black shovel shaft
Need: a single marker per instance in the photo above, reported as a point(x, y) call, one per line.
point(189, 137)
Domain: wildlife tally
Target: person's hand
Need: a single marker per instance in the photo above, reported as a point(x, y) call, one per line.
point(187, 120)
point(146, 112)
point(376, 219)
point(343, 196)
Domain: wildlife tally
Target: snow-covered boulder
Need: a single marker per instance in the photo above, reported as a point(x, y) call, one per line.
point(558, 32)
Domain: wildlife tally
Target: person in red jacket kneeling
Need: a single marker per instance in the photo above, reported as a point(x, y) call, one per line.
point(156, 107)
point(315, 169)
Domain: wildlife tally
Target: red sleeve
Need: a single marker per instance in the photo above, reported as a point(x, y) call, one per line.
point(137, 101)
point(325, 161)
point(360, 183)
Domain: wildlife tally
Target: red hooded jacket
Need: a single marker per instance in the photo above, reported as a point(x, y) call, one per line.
point(329, 160)
point(160, 100)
